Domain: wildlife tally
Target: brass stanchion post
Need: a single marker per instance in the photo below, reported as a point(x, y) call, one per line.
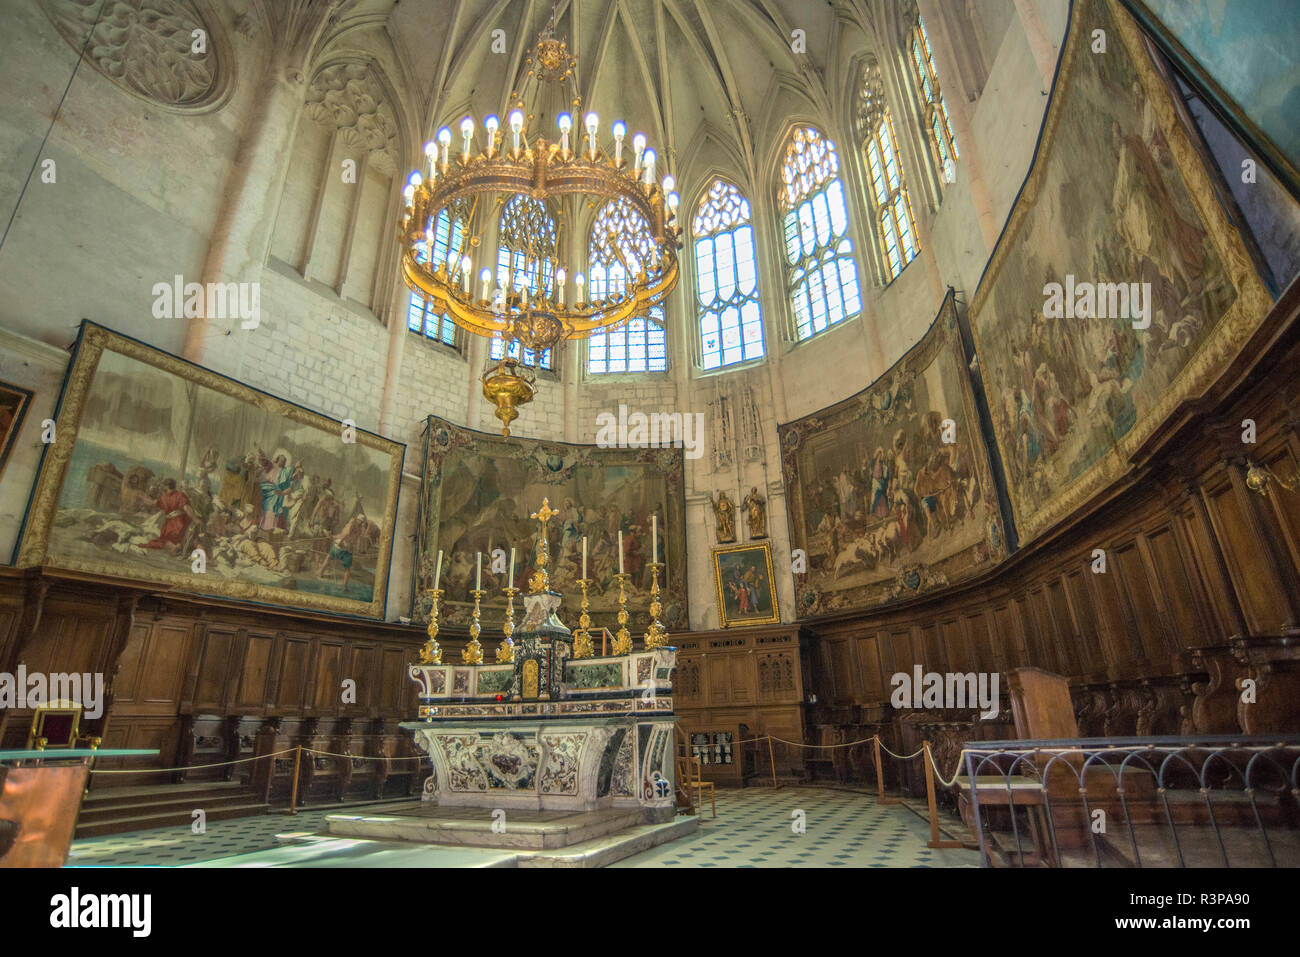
point(771, 757)
point(293, 794)
point(880, 776)
point(930, 799)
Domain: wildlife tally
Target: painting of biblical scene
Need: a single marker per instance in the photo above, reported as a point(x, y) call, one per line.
point(746, 588)
point(480, 489)
point(165, 472)
point(13, 406)
point(889, 491)
point(1117, 194)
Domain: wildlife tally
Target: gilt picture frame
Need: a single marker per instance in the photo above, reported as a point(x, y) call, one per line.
point(168, 473)
point(14, 401)
point(746, 585)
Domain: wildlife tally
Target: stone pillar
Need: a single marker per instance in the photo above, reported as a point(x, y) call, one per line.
point(1040, 44)
point(238, 243)
point(959, 114)
point(241, 234)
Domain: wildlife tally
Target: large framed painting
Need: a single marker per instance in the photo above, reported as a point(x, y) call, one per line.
point(13, 408)
point(162, 471)
point(889, 492)
point(481, 488)
point(1119, 288)
point(746, 586)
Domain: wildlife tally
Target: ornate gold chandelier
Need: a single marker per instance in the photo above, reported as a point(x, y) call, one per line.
point(541, 313)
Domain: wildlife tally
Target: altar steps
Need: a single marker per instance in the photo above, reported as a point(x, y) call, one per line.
point(541, 839)
point(114, 810)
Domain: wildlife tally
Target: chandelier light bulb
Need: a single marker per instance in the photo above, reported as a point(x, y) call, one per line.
point(638, 144)
point(560, 276)
point(444, 137)
point(430, 148)
point(650, 166)
point(409, 195)
point(415, 179)
point(670, 183)
point(467, 130)
point(620, 130)
point(466, 270)
point(486, 278)
point(673, 200)
point(565, 122)
point(517, 126)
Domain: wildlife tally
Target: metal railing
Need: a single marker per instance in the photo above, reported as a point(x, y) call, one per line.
point(1132, 802)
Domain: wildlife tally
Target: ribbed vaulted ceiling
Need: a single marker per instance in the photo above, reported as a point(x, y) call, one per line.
point(682, 71)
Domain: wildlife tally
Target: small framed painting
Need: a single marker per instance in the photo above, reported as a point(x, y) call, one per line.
point(746, 587)
point(13, 406)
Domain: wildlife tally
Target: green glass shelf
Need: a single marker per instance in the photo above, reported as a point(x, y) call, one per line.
point(60, 753)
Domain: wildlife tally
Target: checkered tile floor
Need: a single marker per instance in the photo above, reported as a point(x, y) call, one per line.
point(753, 829)
point(842, 829)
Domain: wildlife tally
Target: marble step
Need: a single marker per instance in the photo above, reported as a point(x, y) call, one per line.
point(474, 827)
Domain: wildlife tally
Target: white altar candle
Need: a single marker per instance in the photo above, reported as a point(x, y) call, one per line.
point(478, 573)
point(584, 556)
point(512, 569)
point(437, 574)
point(654, 539)
point(620, 551)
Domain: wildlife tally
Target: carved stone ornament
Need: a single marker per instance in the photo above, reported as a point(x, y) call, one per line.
point(148, 47)
point(348, 97)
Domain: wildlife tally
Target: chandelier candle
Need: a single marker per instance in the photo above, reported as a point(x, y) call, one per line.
point(511, 583)
point(620, 551)
point(478, 573)
point(437, 575)
point(584, 556)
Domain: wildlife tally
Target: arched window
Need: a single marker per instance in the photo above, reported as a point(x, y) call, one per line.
point(933, 109)
point(447, 238)
point(726, 278)
point(527, 243)
point(895, 224)
point(620, 245)
point(823, 278)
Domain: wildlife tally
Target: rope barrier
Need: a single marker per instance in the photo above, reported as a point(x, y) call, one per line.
point(256, 757)
point(192, 767)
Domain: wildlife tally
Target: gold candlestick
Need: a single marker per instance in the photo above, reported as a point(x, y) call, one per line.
point(506, 650)
point(582, 647)
point(656, 637)
point(431, 653)
point(473, 653)
point(622, 640)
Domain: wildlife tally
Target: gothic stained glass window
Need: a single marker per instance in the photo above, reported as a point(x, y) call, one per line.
point(620, 243)
point(823, 278)
point(527, 240)
point(890, 202)
point(934, 110)
point(638, 345)
point(641, 343)
point(448, 237)
point(726, 278)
